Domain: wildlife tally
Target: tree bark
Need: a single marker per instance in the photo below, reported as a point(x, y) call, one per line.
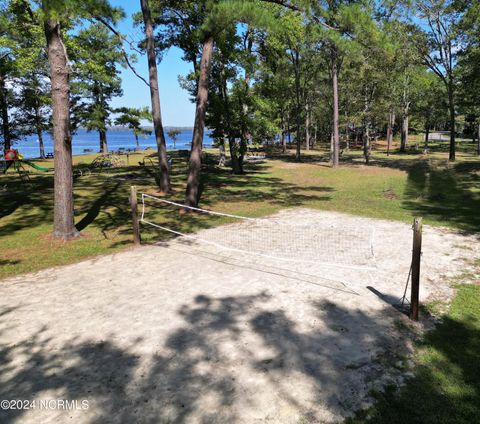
point(63, 215)
point(39, 129)
point(297, 94)
point(366, 145)
point(164, 177)
point(336, 133)
point(137, 144)
point(7, 141)
point(221, 148)
point(307, 126)
point(391, 124)
point(103, 141)
point(234, 160)
point(451, 106)
point(404, 135)
point(427, 134)
point(193, 180)
point(232, 146)
point(331, 148)
point(41, 146)
point(245, 133)
point(478, 140)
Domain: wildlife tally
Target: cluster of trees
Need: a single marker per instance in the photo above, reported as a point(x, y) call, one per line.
point(300, 71)
point(337, 72)
point(94, 57)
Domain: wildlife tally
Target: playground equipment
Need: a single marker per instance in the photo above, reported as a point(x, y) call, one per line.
point(14, 158)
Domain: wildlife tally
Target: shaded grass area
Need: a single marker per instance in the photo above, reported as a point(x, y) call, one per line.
point(446, 385)
point(395, 187)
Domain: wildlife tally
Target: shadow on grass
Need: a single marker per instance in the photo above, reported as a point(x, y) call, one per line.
point(192, 373)
point(4, 262)
point(36, 196)
point(102, 198)
point(448, 193)
point(446, 386)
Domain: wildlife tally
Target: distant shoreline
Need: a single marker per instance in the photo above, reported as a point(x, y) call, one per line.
point(149, 128)
point(84, 142)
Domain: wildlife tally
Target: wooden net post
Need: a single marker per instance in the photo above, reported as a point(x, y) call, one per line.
point(416, 258)
point(135, 220)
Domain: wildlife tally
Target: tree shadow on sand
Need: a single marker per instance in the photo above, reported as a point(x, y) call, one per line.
point(209, 369)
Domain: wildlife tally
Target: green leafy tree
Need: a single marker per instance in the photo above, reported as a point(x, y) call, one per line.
point(97, 56)
point(194, 27)
point(441, 20)
point(430, 110)
point(25, 103)
point(173, 134)
point(58, 16)
point(33, 114)
point(13, 18)
point(132, 118)
point(468, 71)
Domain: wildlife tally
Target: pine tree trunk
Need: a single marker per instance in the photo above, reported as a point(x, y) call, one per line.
point(451, 106)
point(164, 178)
point(427, 135)
point(331, 148)
point(234, 157)
point(222, 157)
point(307, 127)
point(391, 123)
point(39, 132)
point(193, 180)
point(297, 94)
point(103, 141)
point(283, 140)
point(137, 144)
point(40, 143)
point(63, 216)
point(289, 132)
point(245, 132)
point(478, 140)
point(366, 145)
point(336, 134)
point(231, 140)
point(7, 142)
point(404, 135)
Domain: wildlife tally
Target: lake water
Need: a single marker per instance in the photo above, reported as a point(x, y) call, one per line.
point(83, 140)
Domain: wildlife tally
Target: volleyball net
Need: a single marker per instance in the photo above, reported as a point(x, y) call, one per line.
point(292, 239)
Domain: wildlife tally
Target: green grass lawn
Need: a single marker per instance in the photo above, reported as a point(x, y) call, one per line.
point(396, 187)
point(446, 385)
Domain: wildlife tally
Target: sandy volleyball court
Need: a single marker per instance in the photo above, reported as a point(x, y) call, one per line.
point(182, 333)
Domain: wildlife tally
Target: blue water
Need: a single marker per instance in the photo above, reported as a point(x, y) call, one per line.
point(83, 140)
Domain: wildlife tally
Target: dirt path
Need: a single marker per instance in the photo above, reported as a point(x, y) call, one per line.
point(180, 333)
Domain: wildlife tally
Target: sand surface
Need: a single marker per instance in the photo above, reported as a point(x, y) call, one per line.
point(183, 332)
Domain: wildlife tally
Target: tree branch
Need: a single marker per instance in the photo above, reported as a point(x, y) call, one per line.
point(125, 54)
point(295, 8)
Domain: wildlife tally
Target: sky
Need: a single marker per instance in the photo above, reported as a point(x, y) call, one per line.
point(177, 109)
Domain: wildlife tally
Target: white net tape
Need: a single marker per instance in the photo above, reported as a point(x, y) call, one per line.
point(301, 241)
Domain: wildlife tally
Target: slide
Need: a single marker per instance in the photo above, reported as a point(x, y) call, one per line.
point(35, 166)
